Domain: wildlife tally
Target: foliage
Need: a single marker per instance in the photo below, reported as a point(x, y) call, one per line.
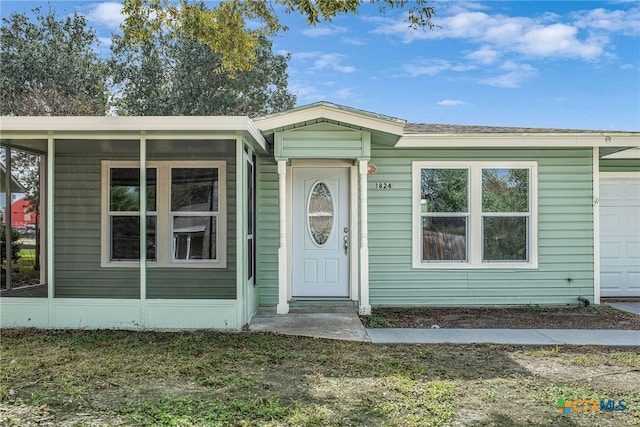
point(223, 28)
point(505, 190)
point(445, 190)
point(15, 245)
point(49, 67)
point(174, 73)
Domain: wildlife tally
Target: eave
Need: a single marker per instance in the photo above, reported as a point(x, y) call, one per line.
point(115, 127)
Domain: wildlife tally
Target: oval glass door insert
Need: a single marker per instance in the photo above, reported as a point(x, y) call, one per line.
point(320, 213)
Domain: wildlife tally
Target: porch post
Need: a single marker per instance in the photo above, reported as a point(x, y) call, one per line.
point(283, 305)
point(8, 179)
point(365, 307)
point(49, 219)
point(143, 229)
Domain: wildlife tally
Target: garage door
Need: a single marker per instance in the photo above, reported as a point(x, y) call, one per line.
point(619, 237)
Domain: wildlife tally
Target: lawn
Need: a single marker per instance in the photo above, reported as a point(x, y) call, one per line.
point(90, 378)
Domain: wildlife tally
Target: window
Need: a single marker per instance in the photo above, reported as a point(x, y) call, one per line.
point(475, 215)
point(184, 214)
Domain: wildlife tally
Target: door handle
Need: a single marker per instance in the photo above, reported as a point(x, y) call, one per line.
point(346, 245)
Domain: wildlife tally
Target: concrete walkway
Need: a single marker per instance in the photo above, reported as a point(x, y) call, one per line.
point(613, 338)
point(343, 323)
point(339, 323)
point(631, 307)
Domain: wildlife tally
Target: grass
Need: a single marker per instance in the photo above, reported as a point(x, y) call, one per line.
point(250, 379)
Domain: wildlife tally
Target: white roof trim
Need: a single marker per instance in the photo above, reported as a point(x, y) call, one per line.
point(353, 118)
point(518, 141)
point(45, 126)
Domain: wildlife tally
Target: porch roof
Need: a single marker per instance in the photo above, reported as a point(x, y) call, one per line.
point(126, 127)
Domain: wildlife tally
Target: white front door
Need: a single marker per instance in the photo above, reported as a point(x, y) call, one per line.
point(620, 237)
point(321, 238)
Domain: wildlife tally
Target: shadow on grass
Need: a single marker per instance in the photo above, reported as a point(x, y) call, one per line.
point(212, 378)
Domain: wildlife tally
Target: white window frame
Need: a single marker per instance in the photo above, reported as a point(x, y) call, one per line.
point(164, 216)
point(475, 218)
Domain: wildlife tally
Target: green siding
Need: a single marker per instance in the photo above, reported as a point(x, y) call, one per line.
point(323, 141)
point(77, 226)
point(268, 231)
point(565, 234)
point(619, 165)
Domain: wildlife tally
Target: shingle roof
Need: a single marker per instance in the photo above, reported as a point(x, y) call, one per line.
point(427, 128)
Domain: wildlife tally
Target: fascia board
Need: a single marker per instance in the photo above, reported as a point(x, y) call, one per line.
point(394, 127)
point(128, 127)
point(518, 141)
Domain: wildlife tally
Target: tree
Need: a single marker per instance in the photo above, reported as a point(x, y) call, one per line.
point(176, 74)
point(223, 27)
point(49, 67)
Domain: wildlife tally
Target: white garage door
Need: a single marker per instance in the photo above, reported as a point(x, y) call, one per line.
point(619, 237)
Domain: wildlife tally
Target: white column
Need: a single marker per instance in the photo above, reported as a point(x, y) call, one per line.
point(143, 230)
point(365, 307)
point(50, 266)
point(596, 225)
point(283, 305)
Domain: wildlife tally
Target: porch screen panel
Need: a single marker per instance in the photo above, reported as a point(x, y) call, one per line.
point(195, 208)
point(82, 183)
point(22, 247)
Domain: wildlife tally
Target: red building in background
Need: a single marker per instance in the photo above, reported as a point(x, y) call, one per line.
point(22, 215)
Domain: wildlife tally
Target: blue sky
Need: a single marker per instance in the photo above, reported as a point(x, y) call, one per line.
point(566, 64)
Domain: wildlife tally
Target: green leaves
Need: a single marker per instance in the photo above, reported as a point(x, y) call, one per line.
point(224, 29)
point(50, 67)
point(178, 74)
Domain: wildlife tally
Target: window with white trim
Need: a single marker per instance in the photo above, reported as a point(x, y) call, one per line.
point(474, 215)
point(185, 211)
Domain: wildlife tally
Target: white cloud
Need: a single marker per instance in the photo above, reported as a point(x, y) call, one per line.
point(429, 68)
point(108, 14)
point(513, 77)
point(615, 21)
point(452, 103)
point(543, 36)
point(558, 40)
point(324, 61)
point(484, 55)
point(330, 30)
point(352, 41)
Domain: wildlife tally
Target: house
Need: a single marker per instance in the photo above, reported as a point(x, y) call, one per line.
point(22, 214)
point(323, 204)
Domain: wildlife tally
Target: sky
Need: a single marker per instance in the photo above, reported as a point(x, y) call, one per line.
point(549, 64)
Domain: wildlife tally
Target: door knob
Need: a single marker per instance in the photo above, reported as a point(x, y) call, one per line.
point(346, 245)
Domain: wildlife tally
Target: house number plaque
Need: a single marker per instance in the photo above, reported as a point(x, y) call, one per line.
point(383, 186)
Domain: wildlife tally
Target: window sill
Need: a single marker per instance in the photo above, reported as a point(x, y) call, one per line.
point(468, 266)
point(153, 265)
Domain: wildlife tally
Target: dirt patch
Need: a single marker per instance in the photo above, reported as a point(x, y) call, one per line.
point(525, 317)
point(200, 378)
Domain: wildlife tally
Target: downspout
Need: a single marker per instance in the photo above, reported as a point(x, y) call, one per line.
point(596, 225)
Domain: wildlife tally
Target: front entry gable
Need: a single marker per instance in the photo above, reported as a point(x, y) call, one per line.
point(328, 131)
point(322, 141)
